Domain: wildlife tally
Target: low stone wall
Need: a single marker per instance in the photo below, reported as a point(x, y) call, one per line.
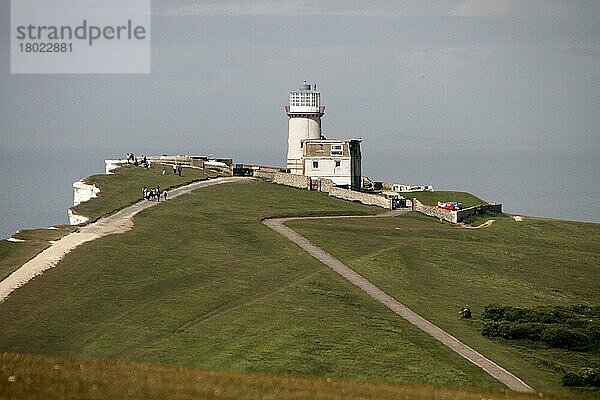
point(183, 160)
point(298, 181)
point(258, 173)
point(433, 211)
point(325, 185)
point(467, 212)
point(364, 198)
point(494, 208)
point(455, 217)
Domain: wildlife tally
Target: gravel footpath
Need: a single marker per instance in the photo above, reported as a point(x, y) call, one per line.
point(493, 369)
point(119, 222)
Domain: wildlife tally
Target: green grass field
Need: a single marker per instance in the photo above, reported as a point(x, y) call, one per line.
point(199, 282)
point(436, 269)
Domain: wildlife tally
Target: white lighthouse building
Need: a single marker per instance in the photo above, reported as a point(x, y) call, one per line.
point(309, 153)
point(304, 112)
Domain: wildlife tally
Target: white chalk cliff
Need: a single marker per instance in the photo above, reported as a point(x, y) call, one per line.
point(82, 192)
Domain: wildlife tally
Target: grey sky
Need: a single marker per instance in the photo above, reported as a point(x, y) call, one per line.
point(403, 75)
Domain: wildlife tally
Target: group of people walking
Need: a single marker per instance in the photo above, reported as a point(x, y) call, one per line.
point(142, 161)
point(154, 193)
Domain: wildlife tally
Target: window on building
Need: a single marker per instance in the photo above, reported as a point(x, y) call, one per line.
point(315, 164)
point(336, 150)
point(338, 163)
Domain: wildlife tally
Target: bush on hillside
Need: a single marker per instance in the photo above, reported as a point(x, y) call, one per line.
point(587, 377)
point(573, 327)
point(544, 314)
point(512, 330)
point(592, 330)
point(564, 338)
point(503, 313)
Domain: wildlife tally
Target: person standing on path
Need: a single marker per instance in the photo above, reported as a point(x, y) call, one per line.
point(165, 194)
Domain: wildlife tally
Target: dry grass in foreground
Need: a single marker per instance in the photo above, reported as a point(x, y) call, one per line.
point(40, 377)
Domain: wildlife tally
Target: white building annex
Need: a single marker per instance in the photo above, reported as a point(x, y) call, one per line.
point(338, 160)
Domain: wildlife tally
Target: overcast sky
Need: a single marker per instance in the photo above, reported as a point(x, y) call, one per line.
point(476, 74)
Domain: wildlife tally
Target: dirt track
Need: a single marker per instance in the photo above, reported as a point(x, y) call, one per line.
point(119, 222)
point(493, 369)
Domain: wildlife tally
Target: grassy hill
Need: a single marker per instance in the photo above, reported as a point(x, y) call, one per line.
point(199, 282)
point(41, 377)
point(437, 268)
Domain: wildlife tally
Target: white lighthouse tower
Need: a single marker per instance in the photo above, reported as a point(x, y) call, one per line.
point(305, 112)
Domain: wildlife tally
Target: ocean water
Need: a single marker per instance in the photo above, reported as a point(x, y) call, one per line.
point(553, 184)
point(36, 185)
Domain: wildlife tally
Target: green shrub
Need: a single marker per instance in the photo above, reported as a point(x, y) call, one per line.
point(587, 377)
point(573, 379)
point(494, 312)
point(493, 329)
point(545, 314)
point(552, 315)
point(565, 338)
point(503, 313)
point(586, 310)
point(525, 330)
point(512, 330)
point(592, 330)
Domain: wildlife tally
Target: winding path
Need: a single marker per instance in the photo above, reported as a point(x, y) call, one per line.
point(493, 369)
point(119, 222)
